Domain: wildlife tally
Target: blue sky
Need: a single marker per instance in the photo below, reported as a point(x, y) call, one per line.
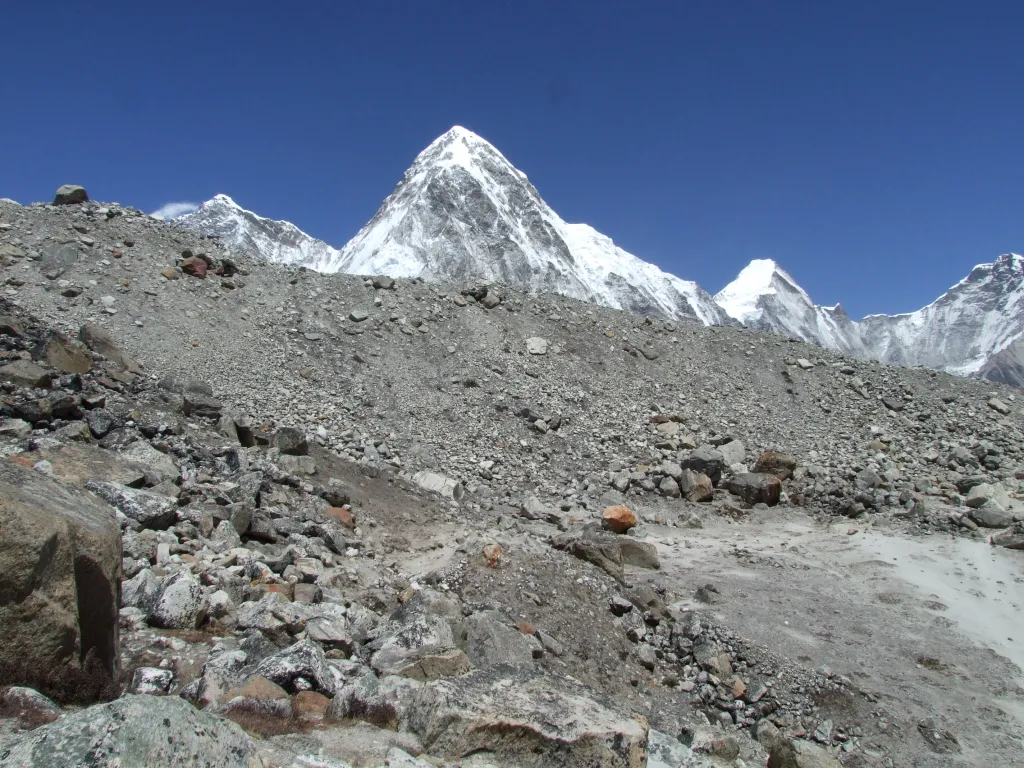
point(873, 149)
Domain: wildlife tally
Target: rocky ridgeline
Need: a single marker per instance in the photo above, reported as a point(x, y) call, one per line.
point(359, 518)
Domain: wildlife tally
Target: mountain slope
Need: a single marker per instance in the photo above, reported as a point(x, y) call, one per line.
point(278, 241)
point(463, 212)
point(764, 297)
point(974, 328)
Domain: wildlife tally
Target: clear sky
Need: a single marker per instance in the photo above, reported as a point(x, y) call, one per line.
point(874, 149)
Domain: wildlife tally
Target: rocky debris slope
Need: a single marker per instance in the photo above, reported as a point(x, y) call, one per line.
point(352, 501)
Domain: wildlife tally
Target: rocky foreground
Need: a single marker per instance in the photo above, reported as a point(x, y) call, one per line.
point(254, 515)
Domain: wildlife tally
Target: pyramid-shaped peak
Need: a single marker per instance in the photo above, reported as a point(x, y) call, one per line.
point(222, 199)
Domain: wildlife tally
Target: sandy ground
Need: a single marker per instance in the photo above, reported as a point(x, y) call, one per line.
point(930, 626)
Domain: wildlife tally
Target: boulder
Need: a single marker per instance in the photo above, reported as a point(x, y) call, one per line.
point(988, 493)
point(696, 486)
point(445, 486)
point(991, 515)
point(179, 603)
point(525, 719)
point(619, 518)
point(774, 463)
point(60, 581)
point(77, 464)
point(601, 549)
point(25, 373)
point(490, 641)
point(302, 666)
point(202, 405)
point(159, 466)
point(1011, 538)
point(733, 452)
point(290, 441)
point(136, 730)
point(66, 355)
point(706, 460)
point(98, 339)
point(755, 488)
point(150, 510)
point(70, 194)
point(797, 753)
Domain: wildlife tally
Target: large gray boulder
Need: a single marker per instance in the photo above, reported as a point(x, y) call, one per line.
point(70, 194)
point(150, 510)
point(300, 667)
point(25, 373)
point(179, 603)
point(755, 488)
point(60, 586)
point(526, 719)
point(136, 730)
point(98, 339)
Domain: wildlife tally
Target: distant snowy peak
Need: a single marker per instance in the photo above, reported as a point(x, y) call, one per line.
point(761, 277)
point(279, 241)
point(766, 298)
point(975, 328)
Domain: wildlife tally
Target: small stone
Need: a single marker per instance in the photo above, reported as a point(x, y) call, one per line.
point(535, 345)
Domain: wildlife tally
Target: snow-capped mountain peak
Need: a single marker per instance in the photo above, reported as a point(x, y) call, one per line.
point(279, 241)
point(761, 277)
point(765, 297)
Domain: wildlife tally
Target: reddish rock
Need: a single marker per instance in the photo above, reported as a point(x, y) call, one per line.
point(619, 518)
point(194, 266)
point(343, 515)
point(492, 553)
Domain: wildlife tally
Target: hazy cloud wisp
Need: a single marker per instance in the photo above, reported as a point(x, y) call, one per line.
point(173, 210)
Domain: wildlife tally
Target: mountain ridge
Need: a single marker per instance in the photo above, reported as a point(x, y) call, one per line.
point(462, 211)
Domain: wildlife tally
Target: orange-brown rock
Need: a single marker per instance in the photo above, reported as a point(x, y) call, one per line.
point(619, 518)
point(342, 515)
point(492, 553)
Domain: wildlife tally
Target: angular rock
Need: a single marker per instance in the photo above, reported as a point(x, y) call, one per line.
point(707, 461)
point(618, 519)
point(124, 733)
point(696, 486)
point(66, 355)
point(490, 641)
point(201, 405)
point(1011, 538)
point(755, 488)
point(179, 603)
point(25, 373)
point(290, 441)
point(991, 515)
point(152, 680)
point(60, 582)
point(301, 666)
point(733, 452)
point(150, 510)
point(70, 194)
point(527, 719)
point(159, 465)
point(440, 484)
point(601, 549)
point(98, 339)
point(535, 345)
point(774, 463)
